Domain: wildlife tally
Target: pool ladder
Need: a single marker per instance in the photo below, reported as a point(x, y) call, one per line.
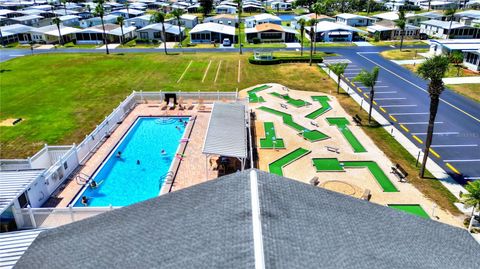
point(166, 177)
point(82, 178)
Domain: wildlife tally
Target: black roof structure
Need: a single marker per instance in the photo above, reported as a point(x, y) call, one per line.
point(213, 225)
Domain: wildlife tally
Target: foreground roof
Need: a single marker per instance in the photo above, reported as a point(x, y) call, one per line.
point(215, 225)
point(14, 244)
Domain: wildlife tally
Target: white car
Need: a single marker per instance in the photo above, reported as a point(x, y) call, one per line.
point(226, 42)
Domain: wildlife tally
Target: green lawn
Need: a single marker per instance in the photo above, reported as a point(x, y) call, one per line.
point(271, 141)
point(469, 90)
point(451, 72)
point(396, 43)
point(276, 167)
point(325, 106)
point(405, 54)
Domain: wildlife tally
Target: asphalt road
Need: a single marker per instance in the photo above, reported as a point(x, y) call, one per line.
point(402, 95)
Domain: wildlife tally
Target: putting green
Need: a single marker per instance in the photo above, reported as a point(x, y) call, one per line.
point(311, 135)
point(252, 94)
point(341, 124)
point(325, 106)
point(411, 209)
point(290, 100)
point(276, 167)
point(271, 140)
point(332, 164)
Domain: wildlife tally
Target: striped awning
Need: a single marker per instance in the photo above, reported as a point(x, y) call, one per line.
point(14, 183)
point(14, 244)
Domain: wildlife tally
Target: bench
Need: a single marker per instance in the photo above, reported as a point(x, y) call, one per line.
point(314, 181)
point(357, 119)
point(332, 149)
point(366, 195)
point(284, 106)
point(314, 123)
point(398, 171)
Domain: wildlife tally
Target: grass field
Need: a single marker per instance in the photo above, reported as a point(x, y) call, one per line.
point(397, 43)
point(451, 72)
point(469, 90)
point(405, 54)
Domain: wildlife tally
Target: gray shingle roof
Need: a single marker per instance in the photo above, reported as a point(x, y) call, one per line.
point(210, 226)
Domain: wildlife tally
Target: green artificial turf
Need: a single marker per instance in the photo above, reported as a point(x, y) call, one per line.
point(376, 171)
point(325, 106)
point(276, 166)
point(411, 209)
point(252, 94)
point(327, 164)
point(290, 100)
point(270, 138)
point(341, 124)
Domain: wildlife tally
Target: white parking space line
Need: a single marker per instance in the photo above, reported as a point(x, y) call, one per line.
point(438, 133)
point(353, 69)
point(376, 92)
point(461, 161)
point(363, 87)
point(454, 146)
point(410, 113)
point(399, 106)
point(472, 178)
point(16, 55)
point(392, 98)
point(419, 123)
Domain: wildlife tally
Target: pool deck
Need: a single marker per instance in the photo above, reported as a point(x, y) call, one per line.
point(191, 170)
point(303, 170)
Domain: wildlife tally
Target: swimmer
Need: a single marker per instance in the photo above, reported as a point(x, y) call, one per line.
point(84, 201)
point(93, 184)
point(163, 152)
point(119, 154)
point(138, 162)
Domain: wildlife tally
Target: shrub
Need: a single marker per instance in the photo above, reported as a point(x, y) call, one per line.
point(285, 59)
point(256, 40)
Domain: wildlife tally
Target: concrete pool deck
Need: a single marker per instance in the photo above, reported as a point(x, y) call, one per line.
point(303, 170)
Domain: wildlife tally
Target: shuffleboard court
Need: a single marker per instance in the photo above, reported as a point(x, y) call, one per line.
point(290, 100)
point(325, 106)
point(341, 124)
point(195, 72)
point(276, 167)
point(271, 141)
point(411, 209)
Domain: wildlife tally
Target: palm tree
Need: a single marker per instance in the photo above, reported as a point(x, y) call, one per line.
point(159, 17)
point(177, 13)
point(311, 23)
point(472, 199)
point(433, 69)
point(451, 14)
point(401, 23)
point(57, 21)
point(369, 79)
point(239, 7)
point(120, 21)
point(64, 2)
point(429, 4)
point(338, 69)
point(100, 12)
point(317, 8)
point(302, 22)
point(457, 58)
point(127, 5)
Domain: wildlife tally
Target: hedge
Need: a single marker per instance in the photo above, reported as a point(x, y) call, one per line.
point(279, 60)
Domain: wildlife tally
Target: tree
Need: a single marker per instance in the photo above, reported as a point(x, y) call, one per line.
point(369, 79)
point(472, 199)
point(159, 17)
point(127, 6)
point(302, 22)
point(306, 3)
point(100, 12)
point(120, 21)
point(57, 22)
point(207, 7)
point(318, 8)
point(239, 7)
point(451, 14)
point(177, 13)
point(457, 58)
point(64, 2)
point(338, 69)
point(311, 23)
point(401, 23)
point(433, 69)
point(429, 4)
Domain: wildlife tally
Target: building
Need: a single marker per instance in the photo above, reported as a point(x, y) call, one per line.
point(262, 18)
point(16, 33)
point(332, 32)
point(154, 32)
point(471, 59)
point(50, 35)
point(310, 16)
point(139, 22)
point(107, 19)
point(29, 20)
point(279, 5)
point(446, 47)
point(225, 9)
point(269, 32)
point(212, 32)
point(252, 8)
point(127, 14)
point(438, 5)
point(70, 20)
point(94, 34)
point(354, 20)
point(411, 18)
point(187, 20)
point(447, 29)
point(226, 19)
point(387, 30)
point(253, 219)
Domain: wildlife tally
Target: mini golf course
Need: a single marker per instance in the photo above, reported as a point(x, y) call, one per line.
point(341, 124)
point(252, 94)
point(310, 135)
point(277, 166)
point(290, 100)
point(325, 106)
point(332, 164)
point(271, 141)
point(411, 209)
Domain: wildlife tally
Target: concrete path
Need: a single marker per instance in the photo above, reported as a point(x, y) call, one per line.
point(293, 45)
point(402, 62)
point(45, 47)
point(462, 80)
point(110, 46)
point(363, 44)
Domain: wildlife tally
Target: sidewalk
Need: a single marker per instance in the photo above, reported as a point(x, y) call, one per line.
point(402, 62)
point(462, 80)
point(110, 46)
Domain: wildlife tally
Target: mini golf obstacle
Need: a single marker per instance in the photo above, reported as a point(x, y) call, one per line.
point(271, 141)
point(325, 106)
point(276, 167)
point(290, 100)
point(252, 94)
point(310, 135)
point(414, 209)
point(341, 124)
point(332, 164)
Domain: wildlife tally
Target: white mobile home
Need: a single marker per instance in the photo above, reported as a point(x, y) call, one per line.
point(212, 32)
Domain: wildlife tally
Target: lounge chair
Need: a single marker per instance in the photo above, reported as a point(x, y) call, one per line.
point(314, 181)
point(284, 106)
point(171, 103)
point(181, 104)
point(201, 105)
point(189, 105)
point(366, 195)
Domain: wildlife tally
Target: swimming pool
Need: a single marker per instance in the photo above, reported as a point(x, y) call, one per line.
point(137, 174)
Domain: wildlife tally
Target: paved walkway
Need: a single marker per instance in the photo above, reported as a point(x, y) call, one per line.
point(45, 47)
point(462, 80)
point(110, 46)
point(363, 44)
point(402, 62)
point(293, 45)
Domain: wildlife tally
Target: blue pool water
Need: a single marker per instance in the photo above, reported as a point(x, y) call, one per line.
point(286, 17)
point(121, 180)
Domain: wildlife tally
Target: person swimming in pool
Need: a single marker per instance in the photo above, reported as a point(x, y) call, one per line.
point(138, 162)
point(84, 201)
point(163, 152)
point(119, 154)
point(93, 184)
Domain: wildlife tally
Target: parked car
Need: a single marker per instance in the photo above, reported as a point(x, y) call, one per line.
point(226, 42)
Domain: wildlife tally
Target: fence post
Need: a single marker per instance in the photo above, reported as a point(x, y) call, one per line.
point(32, 217)
point(160, 97)
point(111, 207)
point(72, 215)
point(141, 95)
point(236, 94)
point(198, 95)
point(218, 95)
